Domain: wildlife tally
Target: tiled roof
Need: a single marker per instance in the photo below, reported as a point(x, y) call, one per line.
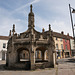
point(60, 35)
point(4, 37)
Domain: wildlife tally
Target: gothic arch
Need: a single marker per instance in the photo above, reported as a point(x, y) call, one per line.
point(23, 53)
point(40, 53)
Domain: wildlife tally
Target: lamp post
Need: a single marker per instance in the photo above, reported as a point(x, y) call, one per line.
point(72, 10)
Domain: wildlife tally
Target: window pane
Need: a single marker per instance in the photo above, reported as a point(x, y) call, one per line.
point(66, 47)
point(56, 38)
point(4, 45)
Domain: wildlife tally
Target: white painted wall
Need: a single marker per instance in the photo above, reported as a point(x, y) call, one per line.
point(72, 44)
point(3, 49)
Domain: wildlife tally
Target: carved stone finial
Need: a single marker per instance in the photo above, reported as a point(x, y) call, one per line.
point(43, 30)
point(49, 27)
point(31, 8)
point(10, 33)
point(31, 18)
point(13, 30)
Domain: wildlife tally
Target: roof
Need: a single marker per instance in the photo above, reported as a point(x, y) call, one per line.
point(60, 35)
point(4, 37)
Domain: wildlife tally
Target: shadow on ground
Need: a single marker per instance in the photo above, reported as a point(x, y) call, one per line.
point(66, 60)
point(71, 60)
point(3, 67)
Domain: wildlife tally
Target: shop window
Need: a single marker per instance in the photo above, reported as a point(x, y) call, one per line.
point(61, 46)
point(58, 53)
point(4, 45)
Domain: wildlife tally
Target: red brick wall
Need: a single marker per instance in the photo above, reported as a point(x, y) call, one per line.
point(67, 42)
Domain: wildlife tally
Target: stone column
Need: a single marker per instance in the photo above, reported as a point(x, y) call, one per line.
point(42, 56)
point(32, 57)
point(51, 56)
point(45, 54)
point(54, 58)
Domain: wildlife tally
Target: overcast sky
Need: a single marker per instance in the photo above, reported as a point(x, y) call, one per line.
point(54, 12)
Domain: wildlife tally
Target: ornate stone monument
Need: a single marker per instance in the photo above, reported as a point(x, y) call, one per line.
point(30, 41)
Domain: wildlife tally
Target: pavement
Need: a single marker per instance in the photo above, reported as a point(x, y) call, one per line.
point(65, 67)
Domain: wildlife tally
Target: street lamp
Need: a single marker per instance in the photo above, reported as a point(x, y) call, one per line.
point(72, 10)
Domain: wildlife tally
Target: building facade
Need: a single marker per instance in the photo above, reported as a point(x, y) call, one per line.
point(3, 47)
point(67, 49)
point(62, 45)
point(72, 47)
point(59, 47)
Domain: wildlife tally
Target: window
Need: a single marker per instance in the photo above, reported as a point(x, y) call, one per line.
point(4, 45)
point(65, 40)
point(56, 38)
point(61, 39)
point(66, 47)
point(61, 46)
point(72, 42)
point(56, 46)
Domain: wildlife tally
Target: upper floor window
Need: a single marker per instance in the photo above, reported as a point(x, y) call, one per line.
point(4, 45)
point(66, 47)
point(56, 38)
point(72, 42)
point(61, 39)
point(56, 46)
point(65, 40)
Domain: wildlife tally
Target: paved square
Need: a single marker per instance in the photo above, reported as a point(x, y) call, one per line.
point(64, 67)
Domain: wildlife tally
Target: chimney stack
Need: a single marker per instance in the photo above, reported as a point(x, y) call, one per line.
point(43, 30)
point(67, 34)
point(62, 32)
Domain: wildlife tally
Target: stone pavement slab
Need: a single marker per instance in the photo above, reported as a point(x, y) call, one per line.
point(39, 72)
point(63, 68)
point(66, 67)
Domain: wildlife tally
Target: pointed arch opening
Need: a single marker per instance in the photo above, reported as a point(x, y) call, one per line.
point(23, 55)
point(41, 54)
